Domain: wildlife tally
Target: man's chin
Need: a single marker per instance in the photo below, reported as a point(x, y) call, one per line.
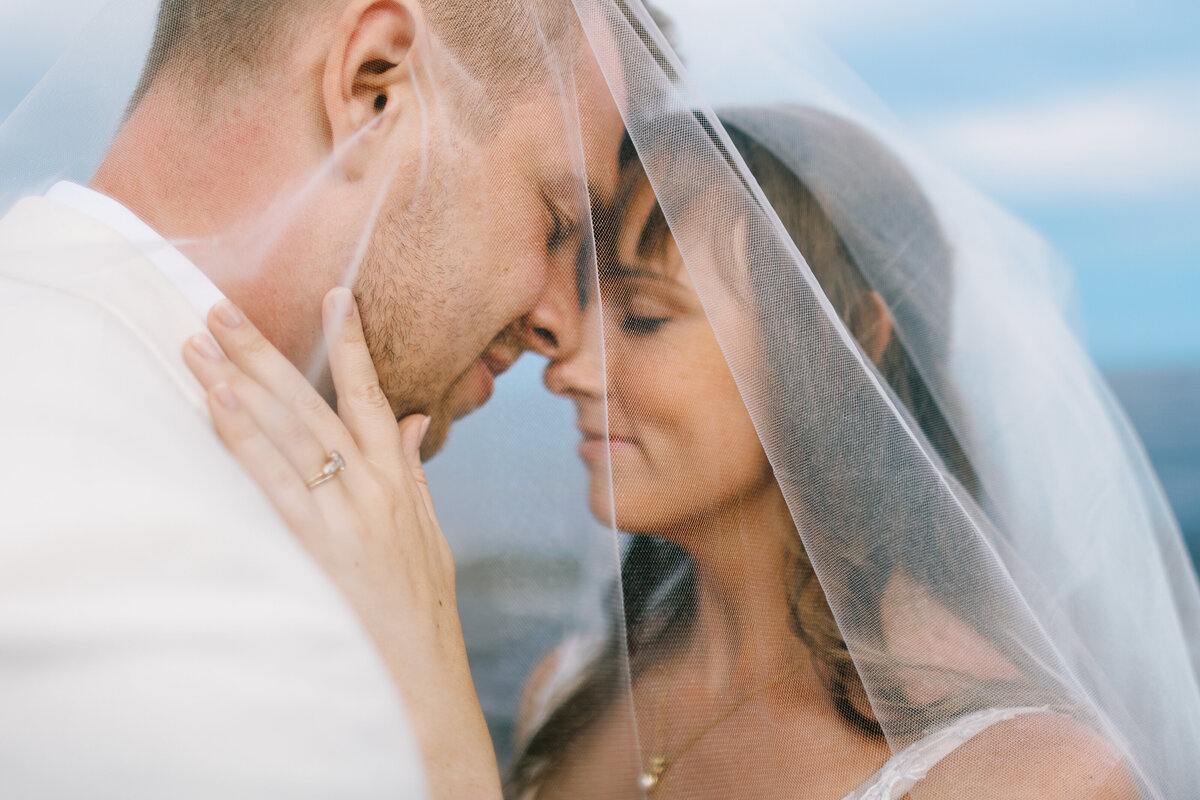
point(475, 389)
point(470, 393)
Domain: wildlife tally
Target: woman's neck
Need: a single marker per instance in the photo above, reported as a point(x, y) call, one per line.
point(742, 557)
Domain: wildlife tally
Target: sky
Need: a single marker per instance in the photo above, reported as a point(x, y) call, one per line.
point(1083, 118)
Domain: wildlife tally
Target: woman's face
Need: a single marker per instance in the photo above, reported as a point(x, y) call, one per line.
point(679, 440)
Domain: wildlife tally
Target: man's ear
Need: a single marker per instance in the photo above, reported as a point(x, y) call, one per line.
point(871, 324)
point(368, 75)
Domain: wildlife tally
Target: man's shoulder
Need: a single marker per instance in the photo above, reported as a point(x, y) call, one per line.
point(110, 454)
point(66, 352)
point(146, 584)
point(33, 222)
point(101, 433)
point(87, 323)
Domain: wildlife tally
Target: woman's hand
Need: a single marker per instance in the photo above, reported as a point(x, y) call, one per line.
point(371, 526)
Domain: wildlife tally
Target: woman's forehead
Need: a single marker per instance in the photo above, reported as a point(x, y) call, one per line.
point(644, 242)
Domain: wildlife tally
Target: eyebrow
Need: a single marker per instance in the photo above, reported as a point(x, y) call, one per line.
point(565, 189)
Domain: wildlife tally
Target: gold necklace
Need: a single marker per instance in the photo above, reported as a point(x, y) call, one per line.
point(657, 766)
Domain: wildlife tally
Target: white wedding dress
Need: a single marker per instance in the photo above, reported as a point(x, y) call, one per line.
point(906, 769)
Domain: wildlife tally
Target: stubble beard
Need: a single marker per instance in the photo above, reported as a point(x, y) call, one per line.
point(409, 294)
point(401, 315)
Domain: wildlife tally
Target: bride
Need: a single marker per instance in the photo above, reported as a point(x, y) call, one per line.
point(852, 642)
point(725, 625)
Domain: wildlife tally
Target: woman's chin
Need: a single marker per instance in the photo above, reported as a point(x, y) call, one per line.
point(621, 514)
point(600, 501)
point(627, 513)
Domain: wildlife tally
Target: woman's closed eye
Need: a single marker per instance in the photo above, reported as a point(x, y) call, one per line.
point(642, 325)
point(642, 303)
point(560, 230)
point(642, 310)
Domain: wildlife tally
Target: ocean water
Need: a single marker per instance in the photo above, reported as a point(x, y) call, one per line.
point(1164, 406)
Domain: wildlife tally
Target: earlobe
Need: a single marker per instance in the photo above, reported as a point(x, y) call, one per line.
point(871, 324)
point(366, 70)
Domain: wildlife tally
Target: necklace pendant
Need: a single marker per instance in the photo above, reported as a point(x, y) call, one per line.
point(649, 779)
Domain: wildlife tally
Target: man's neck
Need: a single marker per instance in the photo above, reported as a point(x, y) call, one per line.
point(208, 188)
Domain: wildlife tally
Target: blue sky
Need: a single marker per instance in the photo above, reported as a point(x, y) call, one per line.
point(1083, 118)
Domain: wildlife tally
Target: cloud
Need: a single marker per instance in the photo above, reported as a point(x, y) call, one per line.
point(1127, 141)
point(885, 22)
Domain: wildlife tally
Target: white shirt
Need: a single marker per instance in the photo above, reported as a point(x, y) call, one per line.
point(201, 293)
point(164, 633)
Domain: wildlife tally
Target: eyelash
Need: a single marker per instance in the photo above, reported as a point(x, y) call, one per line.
point(643, 326)
point(559, 232)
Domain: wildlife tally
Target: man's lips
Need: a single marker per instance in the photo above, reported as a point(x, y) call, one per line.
point(483, 373)
point(498, 360)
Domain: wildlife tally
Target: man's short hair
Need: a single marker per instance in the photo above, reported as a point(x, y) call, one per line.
point(500, 43)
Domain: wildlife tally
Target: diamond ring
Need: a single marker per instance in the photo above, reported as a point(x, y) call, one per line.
point(333, 465)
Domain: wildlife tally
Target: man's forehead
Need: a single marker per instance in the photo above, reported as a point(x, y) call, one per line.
point(570, 132)
point(576, 162)
point(599, 111)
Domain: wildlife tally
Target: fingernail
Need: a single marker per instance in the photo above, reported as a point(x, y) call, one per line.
point(225, 396)
point(206, 346)
point(343, 301)
point(229, 314)
point(424, 428)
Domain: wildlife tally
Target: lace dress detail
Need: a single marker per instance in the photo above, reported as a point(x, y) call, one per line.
point(908, 767)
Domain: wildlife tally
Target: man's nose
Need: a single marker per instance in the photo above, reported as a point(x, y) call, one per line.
point(579, 374)
point(553, 327)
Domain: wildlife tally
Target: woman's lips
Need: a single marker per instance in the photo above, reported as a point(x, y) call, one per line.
point(597, 448)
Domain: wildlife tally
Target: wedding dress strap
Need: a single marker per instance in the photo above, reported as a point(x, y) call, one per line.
point(569, 661)
point(905, 769)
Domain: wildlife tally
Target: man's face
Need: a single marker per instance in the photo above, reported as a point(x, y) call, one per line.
point(451, 275)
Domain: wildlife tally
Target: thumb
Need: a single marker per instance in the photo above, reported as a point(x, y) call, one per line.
point(412, 433)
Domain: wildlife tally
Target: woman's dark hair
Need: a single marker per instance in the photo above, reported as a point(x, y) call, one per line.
point(656, 604)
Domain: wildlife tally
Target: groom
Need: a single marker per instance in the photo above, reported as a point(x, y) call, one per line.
point(161, 632)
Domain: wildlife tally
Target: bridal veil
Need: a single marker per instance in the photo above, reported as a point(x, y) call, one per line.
point(1002, 492)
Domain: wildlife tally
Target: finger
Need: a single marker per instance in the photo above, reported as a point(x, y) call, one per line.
point(412, 432)
point(287, 430)
point(251, 352)
point(362, 404)
point(267, 466)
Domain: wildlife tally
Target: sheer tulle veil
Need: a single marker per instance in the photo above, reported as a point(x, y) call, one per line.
point(999, 489)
